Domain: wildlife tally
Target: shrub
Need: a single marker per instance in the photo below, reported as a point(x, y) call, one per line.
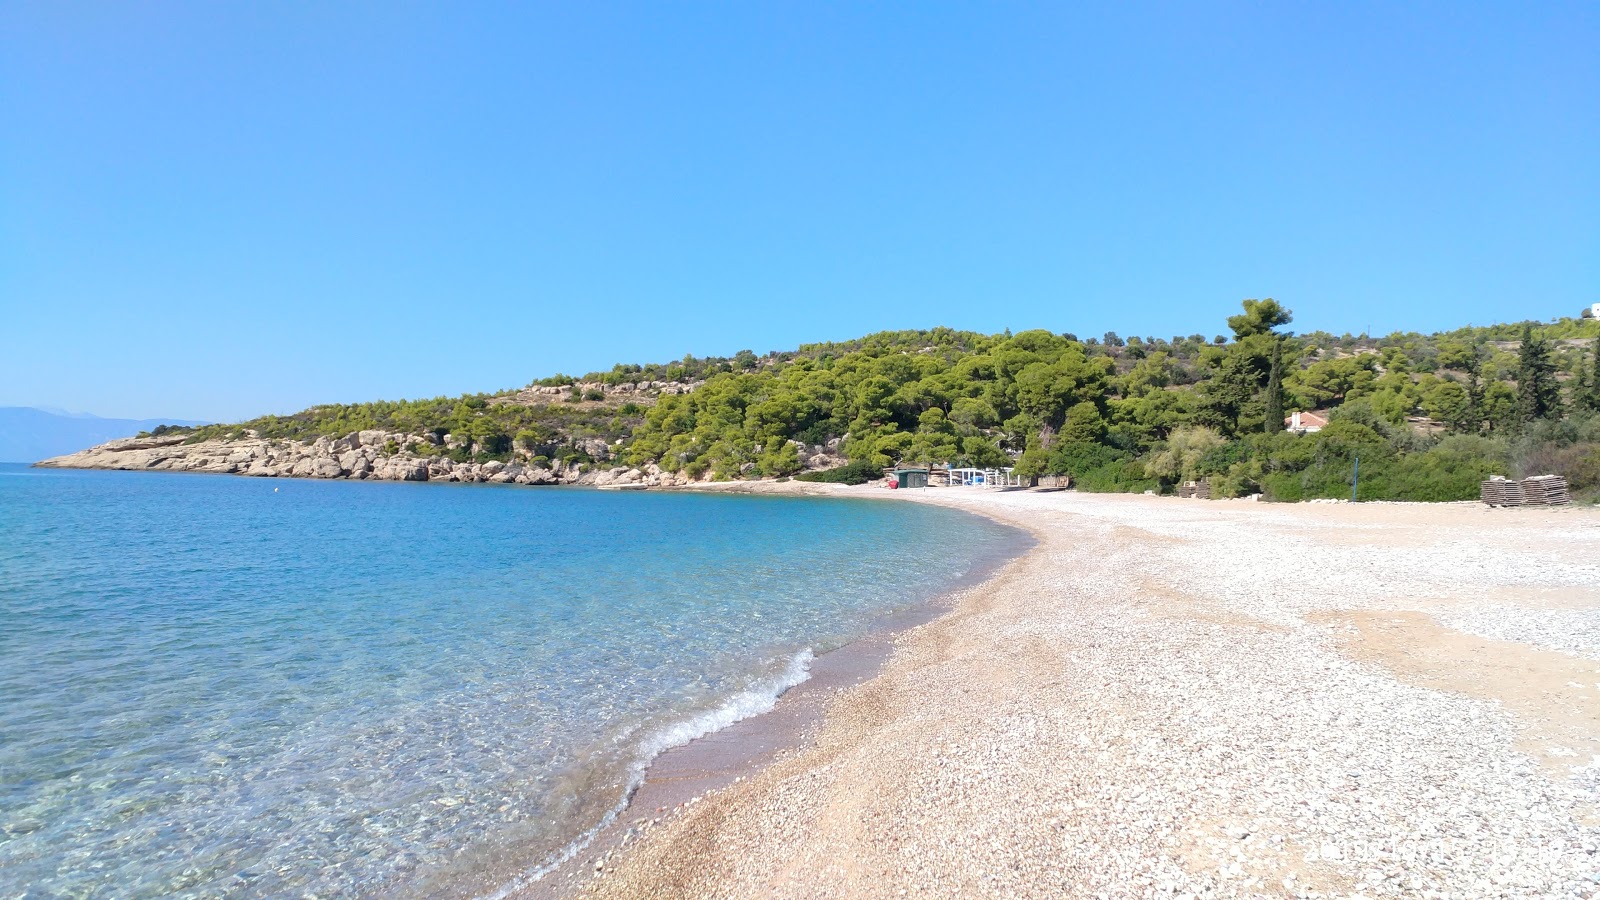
point(859, 471)
point(1187, 449)
point(161, 430)
point(1579, 463)
point(1122, 476)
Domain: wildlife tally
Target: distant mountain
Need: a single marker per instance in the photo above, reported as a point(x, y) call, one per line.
point(29, 435)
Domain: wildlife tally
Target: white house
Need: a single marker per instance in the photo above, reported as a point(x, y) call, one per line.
point(1304, 422)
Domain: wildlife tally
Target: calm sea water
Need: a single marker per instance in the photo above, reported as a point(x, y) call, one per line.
point(215, 686)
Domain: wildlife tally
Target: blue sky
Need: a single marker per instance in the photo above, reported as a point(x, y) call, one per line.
point(221, 210)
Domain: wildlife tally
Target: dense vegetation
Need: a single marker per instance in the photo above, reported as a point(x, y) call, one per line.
point(1428, 415)
point(483, 429)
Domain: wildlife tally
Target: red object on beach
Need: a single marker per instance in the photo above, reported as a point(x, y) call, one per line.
point(893, 482)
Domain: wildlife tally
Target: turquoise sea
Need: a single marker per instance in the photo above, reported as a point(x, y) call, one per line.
point(215, 686)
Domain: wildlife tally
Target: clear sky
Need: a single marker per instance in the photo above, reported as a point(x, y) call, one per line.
point(220, 210)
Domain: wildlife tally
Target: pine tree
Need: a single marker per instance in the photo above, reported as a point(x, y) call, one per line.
point(1274, 421)
point(1538, 392)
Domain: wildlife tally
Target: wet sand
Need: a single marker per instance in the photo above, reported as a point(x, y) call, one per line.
point(1172, 697)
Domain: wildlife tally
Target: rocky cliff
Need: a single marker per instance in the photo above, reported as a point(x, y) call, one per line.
point(380, 455)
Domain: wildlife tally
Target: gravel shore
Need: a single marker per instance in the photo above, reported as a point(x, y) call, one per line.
point(1194, 698)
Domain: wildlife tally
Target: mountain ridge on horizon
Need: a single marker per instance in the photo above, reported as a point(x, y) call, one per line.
point(31, 433)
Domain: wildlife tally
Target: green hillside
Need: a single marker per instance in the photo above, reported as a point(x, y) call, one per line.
point(1429, 415)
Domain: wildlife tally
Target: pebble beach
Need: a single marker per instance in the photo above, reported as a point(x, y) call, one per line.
point(1191, 699)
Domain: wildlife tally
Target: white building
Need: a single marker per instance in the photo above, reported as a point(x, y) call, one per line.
point(1304, 422)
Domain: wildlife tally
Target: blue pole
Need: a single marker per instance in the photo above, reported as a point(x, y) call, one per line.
point(1355, 479)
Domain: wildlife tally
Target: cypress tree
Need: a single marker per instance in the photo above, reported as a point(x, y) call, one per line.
point(1274, 421)
point(1538, 392)
point(1473, 420)
point(1580, 388)
point(1589, 388)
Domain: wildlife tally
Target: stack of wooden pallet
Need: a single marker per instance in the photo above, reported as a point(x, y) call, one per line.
point(1545, 490)
point(1540, 490)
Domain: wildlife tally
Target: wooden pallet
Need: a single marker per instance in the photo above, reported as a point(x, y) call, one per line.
point(1538, 490)
point(1499, 491)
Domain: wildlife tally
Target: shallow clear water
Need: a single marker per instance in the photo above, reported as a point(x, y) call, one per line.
point(220, 686)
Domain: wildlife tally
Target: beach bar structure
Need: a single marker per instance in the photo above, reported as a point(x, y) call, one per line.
point(990, 478)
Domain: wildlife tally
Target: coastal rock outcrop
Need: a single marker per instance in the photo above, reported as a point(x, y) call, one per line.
point(377, 455)
point(383, 455)
point(820, 456)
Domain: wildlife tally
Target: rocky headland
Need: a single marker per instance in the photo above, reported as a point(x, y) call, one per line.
point(382, 456)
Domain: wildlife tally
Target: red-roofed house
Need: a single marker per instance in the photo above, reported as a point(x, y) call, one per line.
point(1304, 422)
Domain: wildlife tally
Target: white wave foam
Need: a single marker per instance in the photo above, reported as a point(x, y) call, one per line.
point(758, 698)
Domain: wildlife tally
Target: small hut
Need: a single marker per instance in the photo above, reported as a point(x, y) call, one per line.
point(910, 476)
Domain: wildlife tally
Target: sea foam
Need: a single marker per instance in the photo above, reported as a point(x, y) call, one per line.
point(760, 697)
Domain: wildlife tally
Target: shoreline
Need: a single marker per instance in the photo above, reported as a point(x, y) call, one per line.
point(839, 533)
point(1132, 621)
point(1221, 699)
point(678, 777)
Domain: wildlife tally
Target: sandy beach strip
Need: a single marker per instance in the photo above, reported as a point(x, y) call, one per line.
point(1197, 698)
